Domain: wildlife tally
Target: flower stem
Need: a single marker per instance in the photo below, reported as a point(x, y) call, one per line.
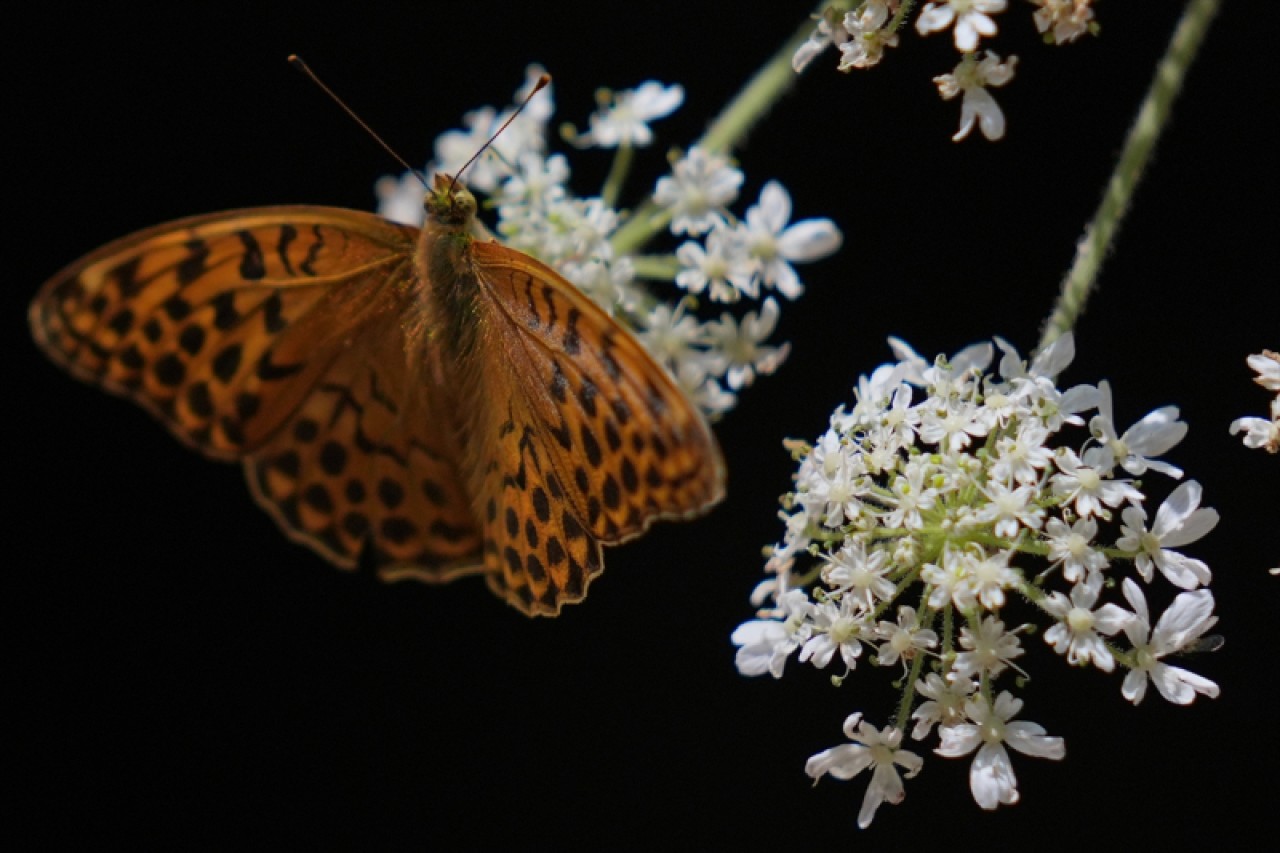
point(617, 174)
point(1153, 117)
point(727, 130)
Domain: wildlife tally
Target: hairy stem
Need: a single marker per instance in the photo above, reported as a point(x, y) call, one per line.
point(1153, 117)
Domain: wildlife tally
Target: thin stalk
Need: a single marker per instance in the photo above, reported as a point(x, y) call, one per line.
point(1153, 118)
point(727, 130)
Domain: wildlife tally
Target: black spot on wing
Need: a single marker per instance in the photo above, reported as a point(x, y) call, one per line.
point(252, 266)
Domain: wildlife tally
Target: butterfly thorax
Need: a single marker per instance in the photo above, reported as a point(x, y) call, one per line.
point(446, 267)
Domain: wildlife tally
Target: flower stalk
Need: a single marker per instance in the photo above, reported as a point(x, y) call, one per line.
point(1153, 117)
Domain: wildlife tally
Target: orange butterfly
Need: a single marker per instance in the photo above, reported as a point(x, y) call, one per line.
point(454, 403)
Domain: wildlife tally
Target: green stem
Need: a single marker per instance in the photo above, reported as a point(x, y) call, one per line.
point(617, 174)
point(1153, 117)
point(655, 267)
point(728, 130)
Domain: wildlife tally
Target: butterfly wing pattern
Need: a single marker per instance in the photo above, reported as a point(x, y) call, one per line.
point(588, 439)
point(271, 335)
point(449, 404)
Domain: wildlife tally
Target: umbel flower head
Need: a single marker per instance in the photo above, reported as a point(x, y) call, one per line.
point(862, 29)
point(950, 500)
point(720, 257)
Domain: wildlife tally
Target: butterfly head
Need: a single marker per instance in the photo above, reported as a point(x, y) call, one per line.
point(449, 203)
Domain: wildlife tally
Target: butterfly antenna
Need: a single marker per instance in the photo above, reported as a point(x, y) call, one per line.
point(296, 62)
point(543, 81)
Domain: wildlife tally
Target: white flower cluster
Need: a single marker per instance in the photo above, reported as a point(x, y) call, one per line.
point(722, 257)
point(862, 30)
point(921, 520)
point(1260, 432)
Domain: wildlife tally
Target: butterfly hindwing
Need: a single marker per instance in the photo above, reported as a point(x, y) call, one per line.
point(368, 456)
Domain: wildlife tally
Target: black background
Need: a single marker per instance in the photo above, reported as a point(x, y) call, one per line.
point(178, 672)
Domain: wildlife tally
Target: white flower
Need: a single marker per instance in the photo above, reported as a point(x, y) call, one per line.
point(772, 243)
point(669, 334)
point(1076, 633)
point(923, 373)
point(737, 353)
point(945, 705)
point(1071, 547)
point(986, 578)
point(723, 265)
point(1068, 19)
point(1087, 488)
point(970, 18)
point(861, 576)
point(827, 31)
point(626, 120)
point(1021, 457)
point(697, 191)
point(1182, 624)
point(991, 777)
point(1267, 364)
point(870, 748)
point(765, 644)
point(990, 649)
point(1152, 436)
point(949, 580)
point(971, 78)
point(903, 640)
point(952, 425)
point(909, 499)
point(1259, 432)
point(866, 40)
point(536, 182)
point(830, 486)
point(1179, 521)
point(1011, 508)
point(837, 626)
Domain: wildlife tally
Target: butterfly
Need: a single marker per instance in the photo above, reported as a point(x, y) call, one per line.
point(445, 402)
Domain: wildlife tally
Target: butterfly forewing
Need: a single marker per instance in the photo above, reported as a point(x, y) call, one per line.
point(274, 335)
point(186, 318)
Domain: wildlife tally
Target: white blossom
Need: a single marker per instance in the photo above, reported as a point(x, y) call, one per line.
point(971, 19)
point(1071, 547)
point(1179, 521)
point(869, 749)
point(991, 777)
point(971, 78)
point(864, 46)
point(737, 346)
point(1182, 624)
point(722, 265)
point(989, 649)
point(625, 121)
point(774, 245)
point(904, 639)
point(1065, 20)
point(1134, 451)
point(1079, 624)
point(765, 644)
point(944, 705)
point(697, 191)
